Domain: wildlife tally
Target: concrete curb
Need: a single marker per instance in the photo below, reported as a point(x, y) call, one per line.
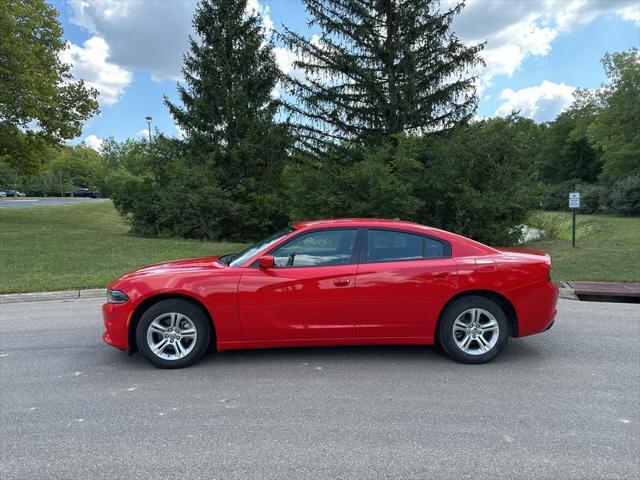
point(565, 291)
point(60, 295)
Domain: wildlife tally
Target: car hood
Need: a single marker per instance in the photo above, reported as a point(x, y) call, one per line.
point(177, 266)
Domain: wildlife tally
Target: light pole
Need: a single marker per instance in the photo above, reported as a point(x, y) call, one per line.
point(148, 119)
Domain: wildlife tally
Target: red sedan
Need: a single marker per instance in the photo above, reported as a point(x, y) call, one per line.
point(335, 282)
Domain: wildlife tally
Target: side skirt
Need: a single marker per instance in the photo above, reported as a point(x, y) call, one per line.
point(324, 342)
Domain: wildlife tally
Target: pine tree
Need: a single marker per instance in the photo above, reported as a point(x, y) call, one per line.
point(379, 68)
point(227, 119)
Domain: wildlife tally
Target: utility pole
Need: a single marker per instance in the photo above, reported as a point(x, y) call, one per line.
point(148, 118)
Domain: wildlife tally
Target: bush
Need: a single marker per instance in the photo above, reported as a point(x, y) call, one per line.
point(162, 191)
point(475, 180)
point(592, 198)
point(624, 197)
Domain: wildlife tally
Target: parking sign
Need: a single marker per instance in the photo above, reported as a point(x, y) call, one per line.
point(574, 200)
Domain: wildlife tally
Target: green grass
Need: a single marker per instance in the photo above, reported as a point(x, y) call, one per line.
point(607, 247)
point(83, 246)
point(62, 247)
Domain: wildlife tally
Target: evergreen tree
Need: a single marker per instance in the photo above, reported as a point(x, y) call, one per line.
point(379, 68)
point(227, 118)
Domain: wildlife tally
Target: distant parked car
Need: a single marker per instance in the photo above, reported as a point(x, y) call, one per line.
point(14, 193)
point(2, 194)
point(82, 192)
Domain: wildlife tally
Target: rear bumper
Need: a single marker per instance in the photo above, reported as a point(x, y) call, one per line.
point(536, 307)
point(115, 318)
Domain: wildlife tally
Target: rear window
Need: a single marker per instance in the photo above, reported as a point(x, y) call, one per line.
point(393, 245)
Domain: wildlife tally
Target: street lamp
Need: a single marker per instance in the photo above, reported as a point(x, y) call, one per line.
point(148, 119)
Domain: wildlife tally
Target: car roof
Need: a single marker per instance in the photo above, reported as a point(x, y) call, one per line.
point(349, 222)
point(363, 222)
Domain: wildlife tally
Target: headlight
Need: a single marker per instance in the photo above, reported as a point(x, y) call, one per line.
point(116, 296)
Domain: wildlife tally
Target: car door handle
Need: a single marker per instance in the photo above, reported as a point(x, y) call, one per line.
point(341, 282)
point(440, 274)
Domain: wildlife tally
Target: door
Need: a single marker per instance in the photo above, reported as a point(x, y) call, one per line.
point(402, 283)
point(309, 294)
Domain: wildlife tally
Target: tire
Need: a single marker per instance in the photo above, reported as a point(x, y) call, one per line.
point(178, 331)
point(471, 342)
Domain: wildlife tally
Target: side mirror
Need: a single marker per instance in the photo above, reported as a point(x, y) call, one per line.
point(266, 261)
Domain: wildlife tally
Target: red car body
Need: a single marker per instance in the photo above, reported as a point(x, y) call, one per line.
point(390, 302)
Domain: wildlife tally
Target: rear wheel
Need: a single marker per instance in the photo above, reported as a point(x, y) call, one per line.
point(473, 330)
point(173, 333)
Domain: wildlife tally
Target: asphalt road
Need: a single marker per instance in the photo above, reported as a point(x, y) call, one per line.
point(37, 201)
point(564, 404)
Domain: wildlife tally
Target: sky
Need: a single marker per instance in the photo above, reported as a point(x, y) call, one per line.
point(537, 52)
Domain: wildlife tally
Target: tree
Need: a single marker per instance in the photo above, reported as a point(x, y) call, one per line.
point(223, 180)
point(615, 127)
point(566, 153)
point(379, 68)
point(37, 94)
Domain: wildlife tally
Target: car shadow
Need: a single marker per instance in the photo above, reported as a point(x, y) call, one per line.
point(517, 351)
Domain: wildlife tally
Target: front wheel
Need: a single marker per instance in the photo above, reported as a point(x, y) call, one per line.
point(173, 333)
point(473, 330)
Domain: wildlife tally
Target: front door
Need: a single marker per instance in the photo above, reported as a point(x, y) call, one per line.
point(309, 294)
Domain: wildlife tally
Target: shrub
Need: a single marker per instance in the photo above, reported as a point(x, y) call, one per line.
point(592, 198)
point(625, 196)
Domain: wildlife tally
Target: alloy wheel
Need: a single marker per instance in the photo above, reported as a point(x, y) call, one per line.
point(171, 336)
point(476, 331)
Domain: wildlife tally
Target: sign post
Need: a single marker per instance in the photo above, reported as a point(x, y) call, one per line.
point(574, 204)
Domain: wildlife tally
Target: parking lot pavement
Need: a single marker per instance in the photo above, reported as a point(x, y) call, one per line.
point(37, 201)
point(564, 404)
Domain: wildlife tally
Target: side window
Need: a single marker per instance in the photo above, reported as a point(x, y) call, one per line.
point(317, 249)
point(391, 245)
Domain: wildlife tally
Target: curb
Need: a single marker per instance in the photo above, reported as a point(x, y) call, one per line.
point(565, 291)
point(60, 295)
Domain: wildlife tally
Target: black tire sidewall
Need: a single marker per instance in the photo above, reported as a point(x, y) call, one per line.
point(195, 314)
point(445, 329)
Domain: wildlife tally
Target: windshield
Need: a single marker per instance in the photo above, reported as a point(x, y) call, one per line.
point(240, 258)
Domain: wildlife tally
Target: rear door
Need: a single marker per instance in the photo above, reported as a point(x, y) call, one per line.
point(403, 281)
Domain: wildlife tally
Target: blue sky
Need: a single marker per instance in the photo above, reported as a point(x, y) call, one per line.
point(537, 52)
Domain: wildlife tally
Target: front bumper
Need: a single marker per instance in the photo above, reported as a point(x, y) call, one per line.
point(116, 324)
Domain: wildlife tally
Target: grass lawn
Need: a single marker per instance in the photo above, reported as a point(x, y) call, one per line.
point(61, 247)
point(607, 247)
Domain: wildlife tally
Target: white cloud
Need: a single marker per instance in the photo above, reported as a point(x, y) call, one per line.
point(90, 62)
point(541, 103)
point(94, 142)
point(517, 29)
point(150, 35)
point(144, 132)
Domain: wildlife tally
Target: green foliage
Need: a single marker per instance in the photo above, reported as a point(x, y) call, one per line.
point(479, 179)
point(615, 127)
point(566, 153)
point(592, 198)
point(625, 196)
point(379, 68)
point(475, 180)
point(39, 104)
point(64, 168)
